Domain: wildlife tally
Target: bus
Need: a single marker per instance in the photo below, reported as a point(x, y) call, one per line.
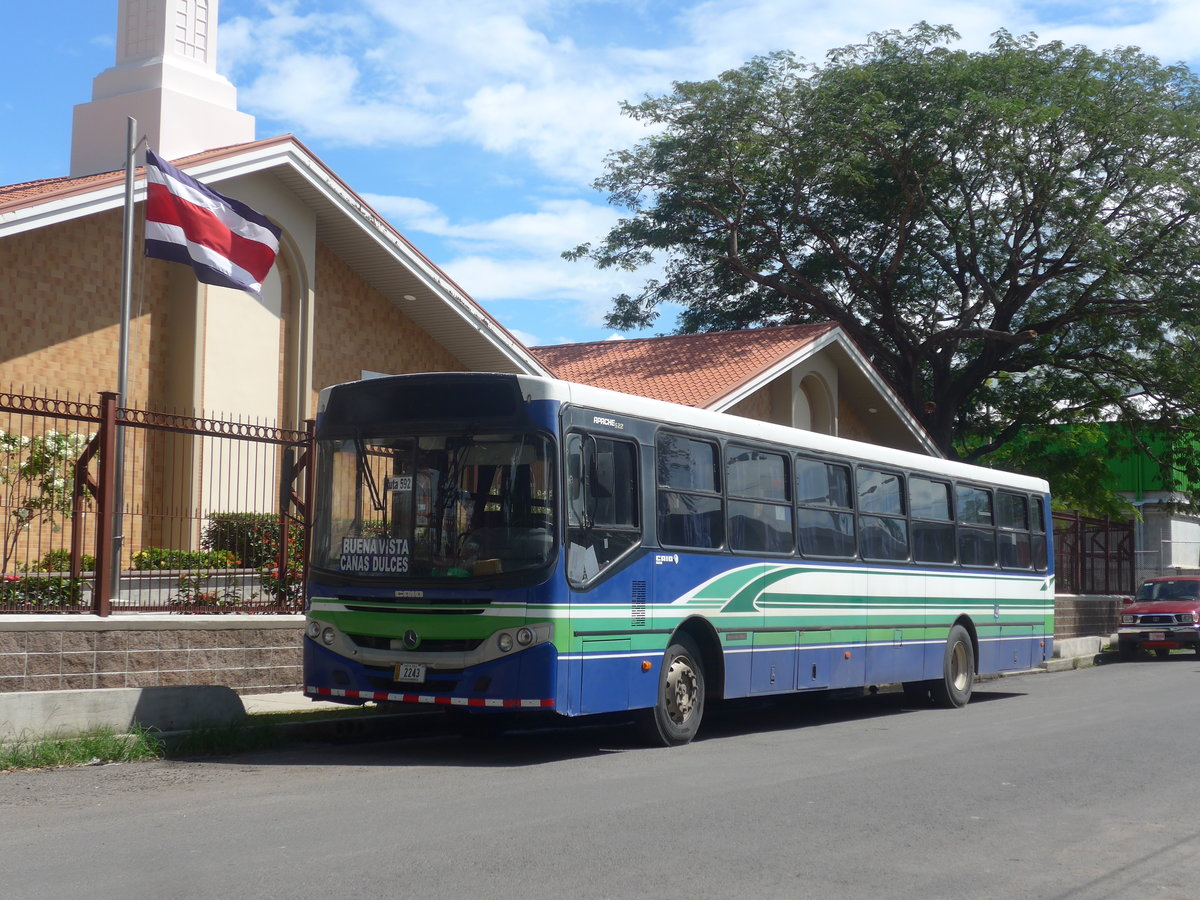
point(496, 543)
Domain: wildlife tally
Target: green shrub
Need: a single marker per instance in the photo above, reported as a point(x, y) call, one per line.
point(253, 537)
point(34, 593)
point(60, 561)
point(154, 558)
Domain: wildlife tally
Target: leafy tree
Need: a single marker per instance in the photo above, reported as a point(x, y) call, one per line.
point(1011, 236)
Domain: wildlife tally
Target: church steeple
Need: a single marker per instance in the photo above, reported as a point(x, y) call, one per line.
point(165, 77)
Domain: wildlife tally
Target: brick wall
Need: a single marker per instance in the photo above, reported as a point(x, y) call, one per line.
point(251, 654)
point(60, 289)
point(1077, 615)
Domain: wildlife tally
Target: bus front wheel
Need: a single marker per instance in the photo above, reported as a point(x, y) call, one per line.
point(675, 718)
point(958, 670)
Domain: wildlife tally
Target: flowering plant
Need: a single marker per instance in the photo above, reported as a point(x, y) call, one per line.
point(36, 483)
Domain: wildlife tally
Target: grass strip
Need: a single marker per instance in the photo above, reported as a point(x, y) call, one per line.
point(102, 745)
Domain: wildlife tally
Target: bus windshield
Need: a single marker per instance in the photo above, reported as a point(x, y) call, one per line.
point(434, 506)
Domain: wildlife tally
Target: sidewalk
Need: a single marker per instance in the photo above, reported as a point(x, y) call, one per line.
point(290, 701)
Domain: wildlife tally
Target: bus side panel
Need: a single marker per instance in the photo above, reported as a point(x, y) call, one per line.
point(773, 665)
point(605, 675)
point(815, 663)
point(609, 640)
point(725, 591)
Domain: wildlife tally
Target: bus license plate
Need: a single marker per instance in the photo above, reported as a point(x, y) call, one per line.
point(410, 672)
point(1158, 636)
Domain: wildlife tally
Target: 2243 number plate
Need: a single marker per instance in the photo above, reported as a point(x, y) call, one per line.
point(412, 672)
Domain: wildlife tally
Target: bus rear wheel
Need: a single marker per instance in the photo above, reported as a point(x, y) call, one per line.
point(958, 670)
point(675, 717)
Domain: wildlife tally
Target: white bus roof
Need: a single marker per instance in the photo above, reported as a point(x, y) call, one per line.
point(618, 403)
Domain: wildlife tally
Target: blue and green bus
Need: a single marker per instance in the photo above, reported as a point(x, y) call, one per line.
point(490, 543)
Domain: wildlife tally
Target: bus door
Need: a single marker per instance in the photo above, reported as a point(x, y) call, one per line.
point(608, 594)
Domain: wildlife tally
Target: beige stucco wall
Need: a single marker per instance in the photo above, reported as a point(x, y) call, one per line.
point(356, 328)
point(851, 424)
point(756, 406)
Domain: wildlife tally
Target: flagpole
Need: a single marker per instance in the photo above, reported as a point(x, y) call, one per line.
point(118, 535)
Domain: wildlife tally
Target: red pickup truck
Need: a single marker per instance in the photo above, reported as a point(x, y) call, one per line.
point(1164, 616)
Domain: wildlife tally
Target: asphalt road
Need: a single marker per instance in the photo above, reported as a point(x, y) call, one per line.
point(1070, 785)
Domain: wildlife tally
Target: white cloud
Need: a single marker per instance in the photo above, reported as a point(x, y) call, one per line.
point(554, 225)
point(525, 337)
point(517, 257)
point(527, 80)
point(539, 83)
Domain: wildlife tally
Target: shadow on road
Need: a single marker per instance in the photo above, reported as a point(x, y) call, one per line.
point(432, 740)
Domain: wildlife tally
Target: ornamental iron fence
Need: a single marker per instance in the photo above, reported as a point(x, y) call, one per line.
point(211, 517)
point(1093, 556)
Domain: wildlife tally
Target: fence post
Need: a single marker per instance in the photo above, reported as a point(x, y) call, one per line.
point(289, 496)
point(286, 475)
point(83, 485)
point(105, 558)
point(310, 491)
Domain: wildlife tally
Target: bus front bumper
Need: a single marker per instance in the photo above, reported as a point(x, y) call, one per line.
point(521, 680)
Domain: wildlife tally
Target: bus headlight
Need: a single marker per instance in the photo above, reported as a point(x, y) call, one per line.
point(525, 636)
point(328, 637)
point(313, 629)
point(504, 642)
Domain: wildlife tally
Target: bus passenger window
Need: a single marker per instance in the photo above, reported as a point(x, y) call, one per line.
point(762, 521)
point(932, 520)
point(1038, 539)
point(976, 541)
point(883, 536)
point(824, 510)
point(690, 511)
point(1012, 514)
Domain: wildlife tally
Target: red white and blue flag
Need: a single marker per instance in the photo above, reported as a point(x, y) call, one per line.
point(224, 241)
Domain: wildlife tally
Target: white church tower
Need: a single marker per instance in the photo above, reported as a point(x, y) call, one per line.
point(165, 77)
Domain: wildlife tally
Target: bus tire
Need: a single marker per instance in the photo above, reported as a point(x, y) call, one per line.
point(675, 718)
point(958, 670)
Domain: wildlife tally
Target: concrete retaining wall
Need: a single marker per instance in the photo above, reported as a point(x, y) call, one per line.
point(28, 715)
point(250, 654)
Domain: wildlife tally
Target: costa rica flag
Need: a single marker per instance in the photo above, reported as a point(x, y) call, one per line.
point(224, 241)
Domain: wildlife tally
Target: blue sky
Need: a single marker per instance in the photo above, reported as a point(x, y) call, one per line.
point(478, 126)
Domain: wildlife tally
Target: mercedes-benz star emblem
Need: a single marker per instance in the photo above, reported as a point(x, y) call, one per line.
point(412, 640)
